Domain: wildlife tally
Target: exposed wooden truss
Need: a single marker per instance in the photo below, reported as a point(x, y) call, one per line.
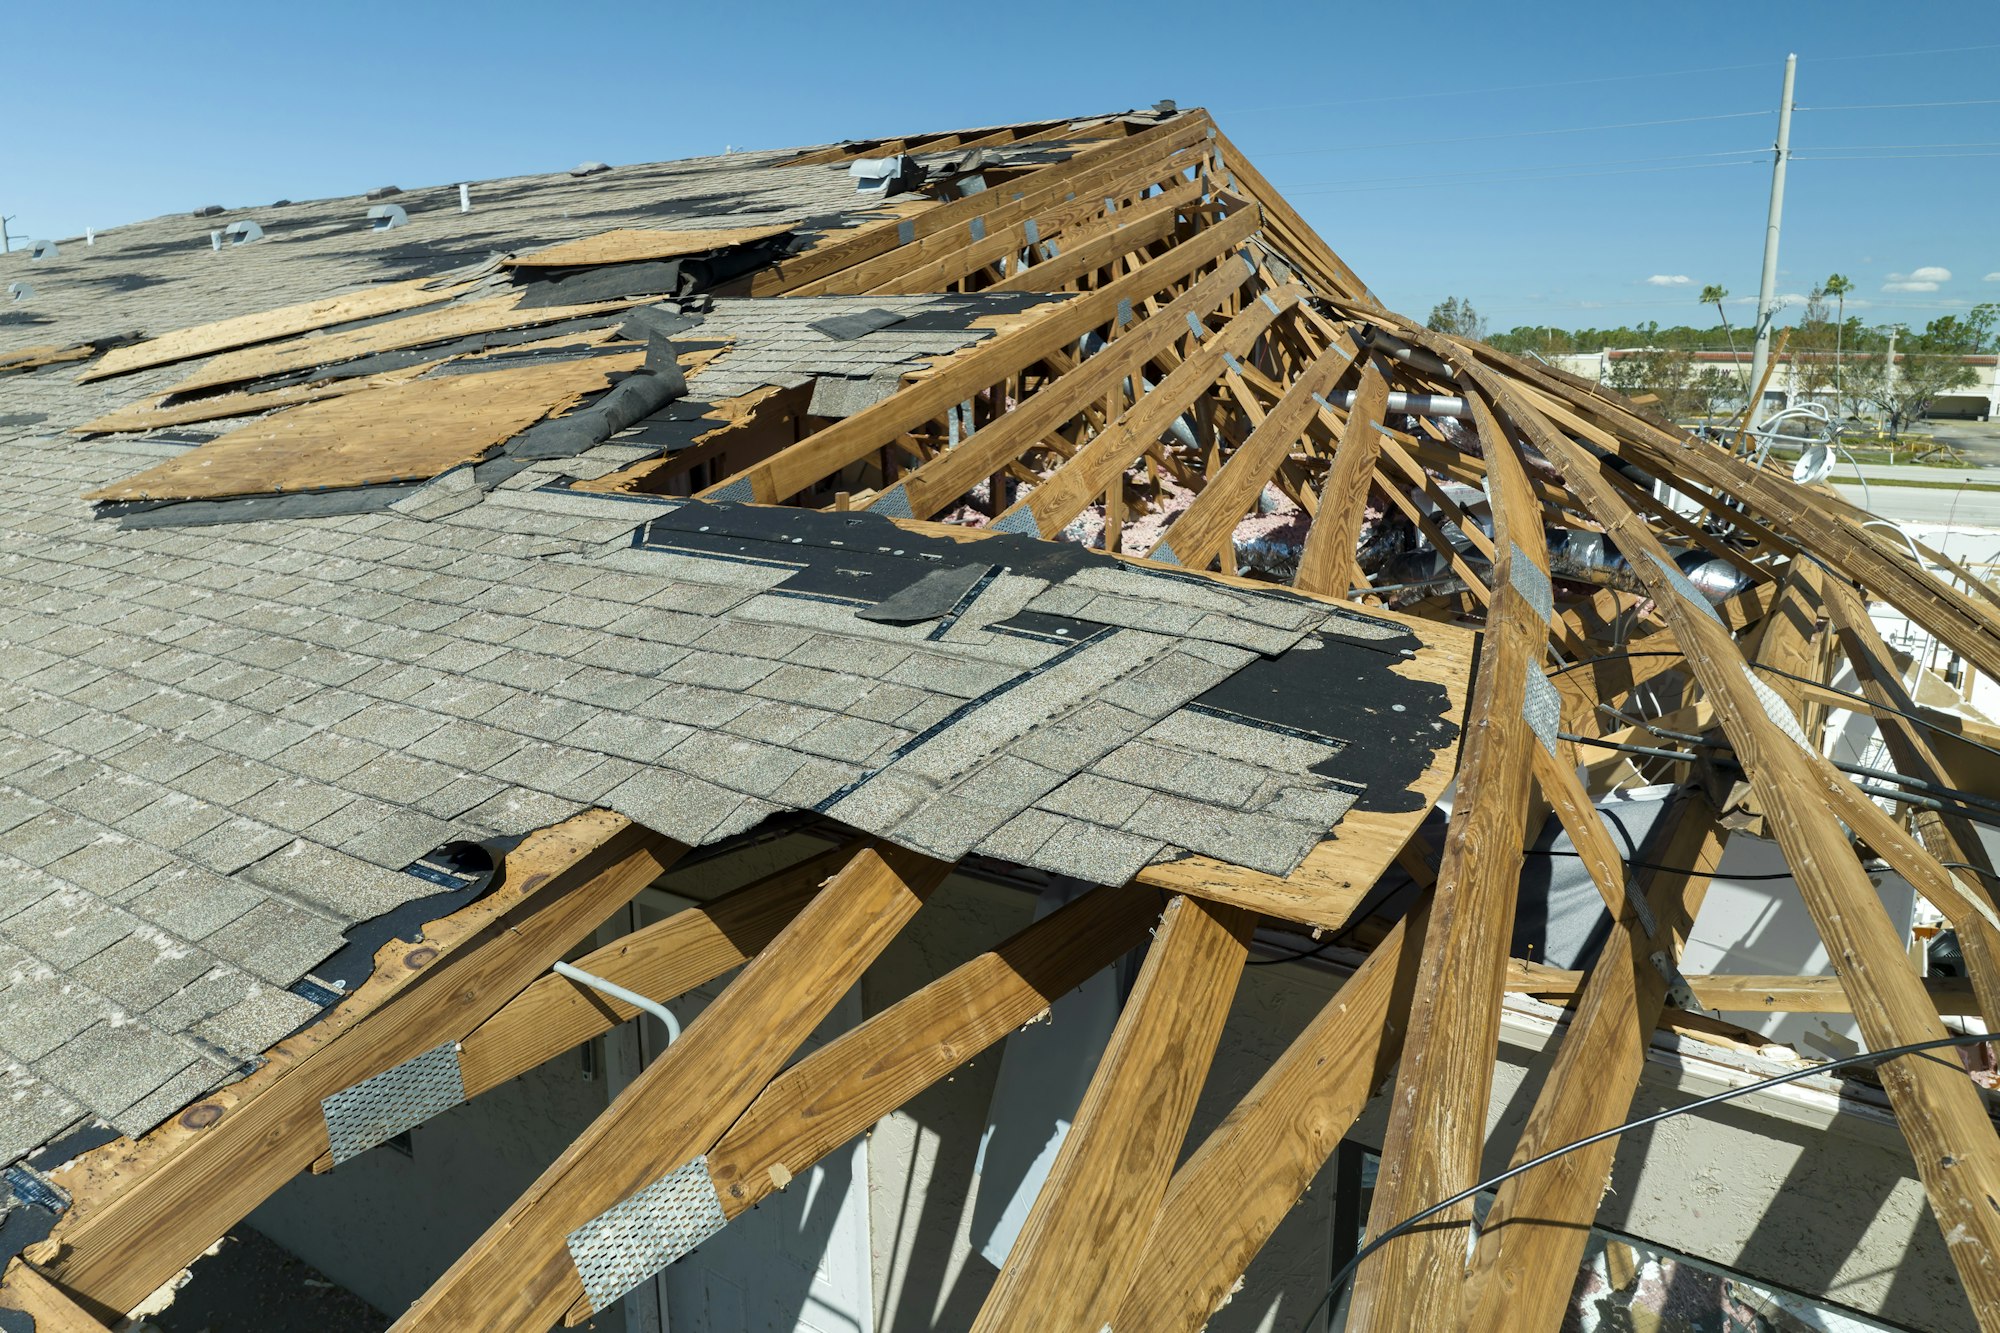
point(1204, 350)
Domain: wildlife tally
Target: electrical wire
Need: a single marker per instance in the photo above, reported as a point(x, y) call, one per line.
point(1880, 708)
point(1901, 106)
point(1518, 134)
point(1340, 1279)
point(1510, 171)
point(1886, 157)
point(1515, 87)
point(1667, 870)
point(1803, 680)
point(1519, 179)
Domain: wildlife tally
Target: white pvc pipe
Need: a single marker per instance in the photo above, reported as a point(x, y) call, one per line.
point(464, 197)
point(618, 992)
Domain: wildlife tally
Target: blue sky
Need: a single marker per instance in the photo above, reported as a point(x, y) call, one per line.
point(1595, 166)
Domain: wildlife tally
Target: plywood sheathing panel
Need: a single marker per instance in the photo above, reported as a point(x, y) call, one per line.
point(400, 432)
point(490, 315)
point(627, 245)
point(159, 413)
point(287, 321)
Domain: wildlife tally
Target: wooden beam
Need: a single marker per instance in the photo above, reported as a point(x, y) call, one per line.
point(1437, 1121)
point(978, 367)
point(1081, 480)
point(661, 961)
point(555, 888)
point(48, 1308)
point(1194, 538)
point(1327, 563)
point(847, 1085)
point(939, 482)
point(1226, 1201)
point(519, 1274)
point(1939, 1110)
point(1533, 1239)
point(1746, 992)
point(1076, 1253)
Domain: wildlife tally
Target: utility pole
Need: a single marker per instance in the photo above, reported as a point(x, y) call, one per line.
point(1760, 352)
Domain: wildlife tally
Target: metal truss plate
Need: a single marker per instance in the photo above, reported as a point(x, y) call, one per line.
point(1531, 583)
point(379, 1108)
point(634, 1239)
point(1542, 707)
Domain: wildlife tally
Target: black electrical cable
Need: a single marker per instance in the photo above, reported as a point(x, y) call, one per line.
point(1925, 723)
point(1609, 657)
point(1789, 1076)
point(1664, 870)
point(1881, 708)
point(1982, 813)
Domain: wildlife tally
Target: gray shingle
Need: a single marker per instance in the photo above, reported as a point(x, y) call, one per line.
point(113, 1065)
point(275, 941)
point(191, 902)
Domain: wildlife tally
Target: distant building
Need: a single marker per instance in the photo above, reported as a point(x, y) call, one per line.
point(1978, 401)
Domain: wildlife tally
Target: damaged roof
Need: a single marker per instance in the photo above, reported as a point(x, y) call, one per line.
point(251, 693)
point(1046, 493)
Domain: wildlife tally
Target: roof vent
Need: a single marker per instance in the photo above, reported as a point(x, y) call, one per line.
point(43, 250)
point(241, 232)
point(384, 191)
point(589, 168)
point(19, 291)
point(282, 203)
point(885, 175)
point(384, 216)
point(208, 210)
point(1165, 107)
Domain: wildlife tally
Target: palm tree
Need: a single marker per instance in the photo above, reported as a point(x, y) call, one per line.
point(1715, 294)
point(1838, 286)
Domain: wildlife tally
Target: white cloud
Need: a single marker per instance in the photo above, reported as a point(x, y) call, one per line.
point(1993, 277)
point(1682, 279)
point(1925, 279)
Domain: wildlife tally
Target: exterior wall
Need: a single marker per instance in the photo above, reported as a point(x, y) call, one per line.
point(1800, 1196)
point(1979, 399)
point(385, 1225)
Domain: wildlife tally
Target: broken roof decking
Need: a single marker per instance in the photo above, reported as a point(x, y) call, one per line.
point(1149, 346)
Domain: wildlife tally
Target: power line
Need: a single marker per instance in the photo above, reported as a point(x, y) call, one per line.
point(1887, 55)
point(1901, 106)
point(1526, 179)
point(1889, 157)
point(1518, 134)
point(1432, 176)
point(1535, 167)
point(1507, 88)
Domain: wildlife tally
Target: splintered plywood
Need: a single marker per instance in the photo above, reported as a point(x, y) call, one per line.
point(628, 245)
point(32, 358)
point(402, 432)
point(427, 326)
point(158, 415)
point(288, 321)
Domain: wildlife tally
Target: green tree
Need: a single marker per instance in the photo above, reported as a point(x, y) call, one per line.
point(1715, 294)
point(1927, 364)
point(1814, 348)
point(1666, 373)
point(1838, 285)
point(1455, 315)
